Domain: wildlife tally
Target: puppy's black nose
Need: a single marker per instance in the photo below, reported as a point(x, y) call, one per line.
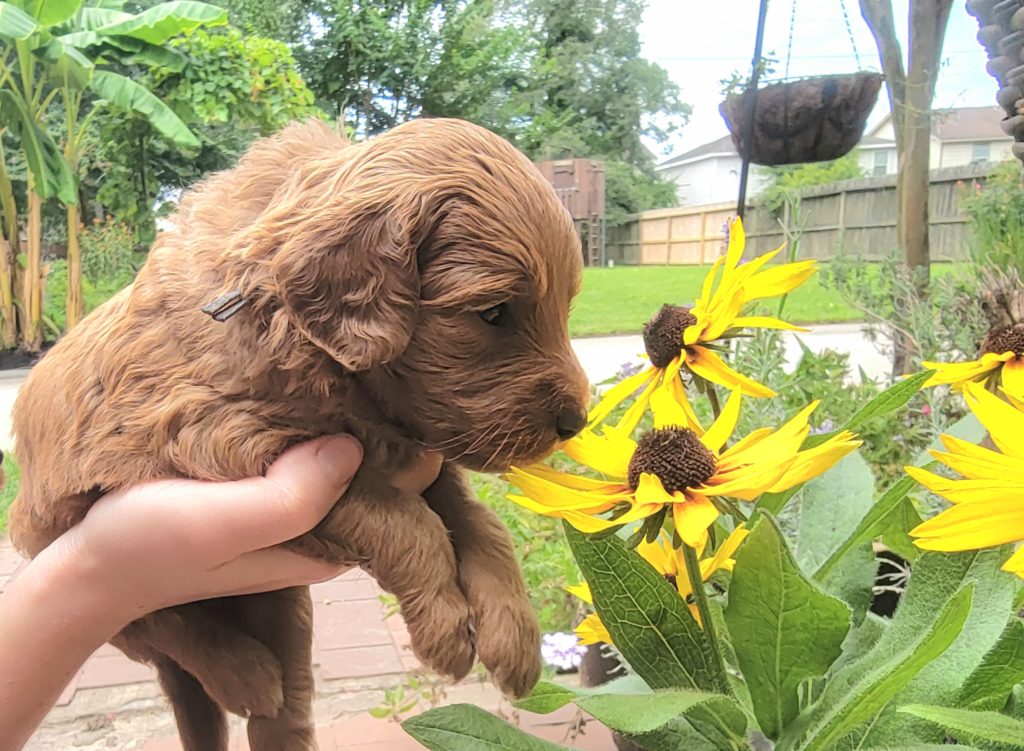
point(569, 422)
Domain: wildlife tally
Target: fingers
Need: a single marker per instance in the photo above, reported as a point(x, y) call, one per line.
point(296, 493)
point(268, 570)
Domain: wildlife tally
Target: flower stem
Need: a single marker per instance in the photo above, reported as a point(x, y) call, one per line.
point(716, 408)
point(700, 597)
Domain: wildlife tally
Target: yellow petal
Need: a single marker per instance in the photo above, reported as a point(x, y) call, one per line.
point(737, 242)
point(721, 430)
point(968, 491)
point(692, 518)
point(651, 491)
point(1004, 423)
point(667, 410)
point(977, 462)
point(765, 322)
point(958, 373)
point(658, 555)
point(552, 494)
point(618, 393)
point(567, 479)
point(972, 526)
point(779, 280)
point(711, 367)
point(1012, 376)
point(608, 452)
point(1015, 563)
point(816, 461)
point(592, 631)
point(727, 307)
point(581, 590)
point(632, 417)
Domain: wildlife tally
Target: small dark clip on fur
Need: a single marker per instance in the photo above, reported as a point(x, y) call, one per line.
point(225, 306)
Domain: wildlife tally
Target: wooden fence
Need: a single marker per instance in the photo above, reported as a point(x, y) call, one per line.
point(857, 217)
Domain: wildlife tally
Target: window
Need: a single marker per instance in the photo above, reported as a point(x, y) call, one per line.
point(980, 153)
point(881, 163)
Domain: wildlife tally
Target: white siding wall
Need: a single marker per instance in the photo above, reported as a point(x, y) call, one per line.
point(713, 180)
point(866, 159)
point(959, 153)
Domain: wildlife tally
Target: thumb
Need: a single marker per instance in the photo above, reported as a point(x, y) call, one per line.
point(298, 491)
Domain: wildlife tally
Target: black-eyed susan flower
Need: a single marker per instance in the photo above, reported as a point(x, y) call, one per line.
point(680, 337)
point(677, 467)
point(988, 502)
point(1001, 359)
point(668, 562)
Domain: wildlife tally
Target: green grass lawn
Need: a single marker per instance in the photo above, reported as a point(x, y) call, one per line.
point(10, 489)
point(623, 299)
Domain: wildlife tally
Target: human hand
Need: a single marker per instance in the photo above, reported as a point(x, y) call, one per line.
point(174, 541)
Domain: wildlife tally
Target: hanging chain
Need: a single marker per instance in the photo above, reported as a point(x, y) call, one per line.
point(789, 48)
point(849, 31)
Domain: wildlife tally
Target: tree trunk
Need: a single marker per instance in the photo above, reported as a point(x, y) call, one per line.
point(910, 96)
point(75, 304)
point(8, 254)
point(32, 323)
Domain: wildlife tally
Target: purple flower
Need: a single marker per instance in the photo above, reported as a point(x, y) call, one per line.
point(827, 426)
point(628, 369)
point(562, 651)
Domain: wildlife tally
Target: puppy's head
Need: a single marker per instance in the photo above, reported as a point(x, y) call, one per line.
point(438, 262)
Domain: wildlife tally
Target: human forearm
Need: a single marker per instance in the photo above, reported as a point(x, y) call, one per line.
point(51, 619)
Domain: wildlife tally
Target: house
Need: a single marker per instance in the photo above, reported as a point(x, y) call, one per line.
point(710, 174)
point(968, 135)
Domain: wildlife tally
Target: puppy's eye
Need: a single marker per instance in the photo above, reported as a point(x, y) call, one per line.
point(496, 315)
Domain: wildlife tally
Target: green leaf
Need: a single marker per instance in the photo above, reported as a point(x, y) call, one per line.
point(856, 694)
point(648, 621)
point(942, 681)
point(784, 628)
point(53, 177)
point(644, 713)
point(1002, 668)
point(682, 734)
point(463, 727)
point(546, 698)
point(67, 65)
point(166, 20)
point(889, 400)
point(829, 506)
point(53, 12)
point(871, 526)
point(94, 18)
point(16, 23)
point(922, 747)
point(126, 94)
point(156, 56)
point(982, 726)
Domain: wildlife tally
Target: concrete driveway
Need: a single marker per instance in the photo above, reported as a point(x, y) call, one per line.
point(601, 357)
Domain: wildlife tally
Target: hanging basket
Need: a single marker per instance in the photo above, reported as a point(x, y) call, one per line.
point(810, 120)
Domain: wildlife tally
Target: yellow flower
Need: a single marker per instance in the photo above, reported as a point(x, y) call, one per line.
point(668, 562)
point(1002, 358)
point(679, 337)
point(675, 467)
point(988, 503)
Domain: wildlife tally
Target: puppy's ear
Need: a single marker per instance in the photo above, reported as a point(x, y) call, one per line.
point(348, 281)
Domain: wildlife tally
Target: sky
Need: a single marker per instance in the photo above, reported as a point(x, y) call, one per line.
point(700, 42)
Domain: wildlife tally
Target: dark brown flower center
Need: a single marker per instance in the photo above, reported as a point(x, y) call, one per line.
point(663, 334)
point(673, 455)
point(1006, 339)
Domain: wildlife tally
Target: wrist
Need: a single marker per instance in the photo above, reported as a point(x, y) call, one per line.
point(74, 589)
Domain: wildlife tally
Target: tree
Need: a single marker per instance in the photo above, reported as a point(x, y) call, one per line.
point(593, 95)
point(911, 90)
point(59, 48)
point(236, 88)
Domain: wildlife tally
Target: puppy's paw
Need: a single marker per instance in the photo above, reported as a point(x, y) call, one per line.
point(508, 642)
point(248, 681)
point(442, 636)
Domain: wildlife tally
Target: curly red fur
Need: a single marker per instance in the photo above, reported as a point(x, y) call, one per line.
point(365, 268)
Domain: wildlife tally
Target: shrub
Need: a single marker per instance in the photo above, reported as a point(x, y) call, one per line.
point(995, 215)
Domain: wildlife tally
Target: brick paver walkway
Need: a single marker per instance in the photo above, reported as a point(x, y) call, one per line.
point(115, 703)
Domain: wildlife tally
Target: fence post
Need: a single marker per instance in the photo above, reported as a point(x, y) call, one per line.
point(841, 243)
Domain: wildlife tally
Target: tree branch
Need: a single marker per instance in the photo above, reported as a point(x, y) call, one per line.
point(879, 17)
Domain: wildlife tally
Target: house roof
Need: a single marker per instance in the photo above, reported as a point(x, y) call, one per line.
point(958, 124)
point(723, 145)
